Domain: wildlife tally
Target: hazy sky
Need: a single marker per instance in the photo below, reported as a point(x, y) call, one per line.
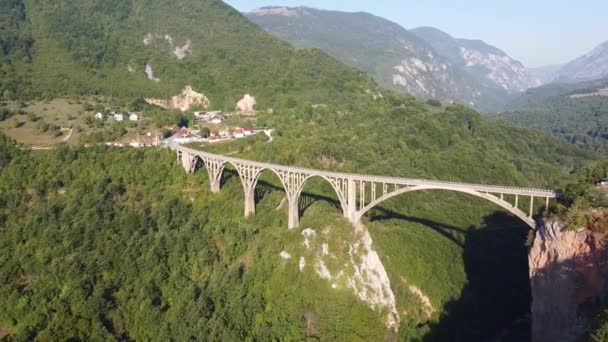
point(536, 32)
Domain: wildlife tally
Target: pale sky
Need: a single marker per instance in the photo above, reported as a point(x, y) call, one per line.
point(536, 32)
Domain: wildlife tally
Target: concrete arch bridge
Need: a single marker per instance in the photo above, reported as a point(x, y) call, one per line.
point(357, 193)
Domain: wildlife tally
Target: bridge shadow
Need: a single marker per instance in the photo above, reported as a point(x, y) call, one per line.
point(445, 230)
point(379, 213)
point(495, 304)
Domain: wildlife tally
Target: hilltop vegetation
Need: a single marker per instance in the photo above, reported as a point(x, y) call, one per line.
point(66, 48)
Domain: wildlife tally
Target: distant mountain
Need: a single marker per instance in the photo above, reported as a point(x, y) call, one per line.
point(400, 59)
point(593, 65)
point(488, 64)
point(545, 74)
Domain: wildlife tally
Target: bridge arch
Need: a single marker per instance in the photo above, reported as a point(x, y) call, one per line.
point(487, 196)
point(338, 185)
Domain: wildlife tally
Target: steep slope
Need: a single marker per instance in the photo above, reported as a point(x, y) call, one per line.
point(575, 112)
point(490, 65)
point(137, 48)
point(394, 56)
point(591, 66)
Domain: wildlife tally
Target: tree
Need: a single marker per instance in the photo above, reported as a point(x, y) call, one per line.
point(4, 114)
point(7, 95)
point(136, 105)
point(166, 133)
point(205, 132)
point(433, 103)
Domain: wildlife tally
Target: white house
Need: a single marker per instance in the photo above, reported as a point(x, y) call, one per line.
point(216, 120)
point(119, 117)
point(247, 131)
point(133, 117)
point(239, 134)
point(99, 116)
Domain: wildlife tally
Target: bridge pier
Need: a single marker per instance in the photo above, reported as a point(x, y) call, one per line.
point(249, 202)
point(293, 213)
point(351, 203)
point(215, 169)
point(249, 177)
point(187, 161)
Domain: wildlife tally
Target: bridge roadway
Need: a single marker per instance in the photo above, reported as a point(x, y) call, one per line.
point(357, 193)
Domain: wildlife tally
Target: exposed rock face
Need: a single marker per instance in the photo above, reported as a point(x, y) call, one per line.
point(504, 71)
point(180, 52)
point(246, 104)
point(281, 11)
point(183, 101)
point(150, 73)
point(364, 272)
point(567, 269)
point(488, 64)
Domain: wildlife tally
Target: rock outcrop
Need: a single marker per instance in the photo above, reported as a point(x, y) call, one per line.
point(183, 101)
point(150, 73)
point(567, 269)
point(180, 52)
point(363, 273)
point(246, 104)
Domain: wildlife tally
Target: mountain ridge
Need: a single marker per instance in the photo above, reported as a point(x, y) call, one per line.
point(591, 66)
point(397, 58)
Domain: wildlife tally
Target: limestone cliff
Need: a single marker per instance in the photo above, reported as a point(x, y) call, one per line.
point(351, 264)
point(567, 270)
point(183, 101)
point(246, 104)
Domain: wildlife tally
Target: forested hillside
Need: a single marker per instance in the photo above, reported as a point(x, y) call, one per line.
point(577, 113)
point(66, 48)
point(120, 244)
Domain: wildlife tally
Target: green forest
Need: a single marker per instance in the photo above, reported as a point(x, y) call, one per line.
point(120, 244)
point(582, 121)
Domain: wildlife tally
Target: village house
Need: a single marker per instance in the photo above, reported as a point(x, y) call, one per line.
point(186, 135)
point(133, 117)
point(201, 115)
point(217, 120)
point(224, 134)
point(119, 117)
point(247, 131)
point(99, 116)
point(238, 133)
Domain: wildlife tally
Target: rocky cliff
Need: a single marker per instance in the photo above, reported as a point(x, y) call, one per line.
point(183, 101)
point(567, 270)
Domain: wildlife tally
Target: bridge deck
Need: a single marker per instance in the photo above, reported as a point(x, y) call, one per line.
point(496, 189)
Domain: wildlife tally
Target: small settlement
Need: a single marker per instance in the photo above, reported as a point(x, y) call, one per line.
point(214, 134)
point(114, 116)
